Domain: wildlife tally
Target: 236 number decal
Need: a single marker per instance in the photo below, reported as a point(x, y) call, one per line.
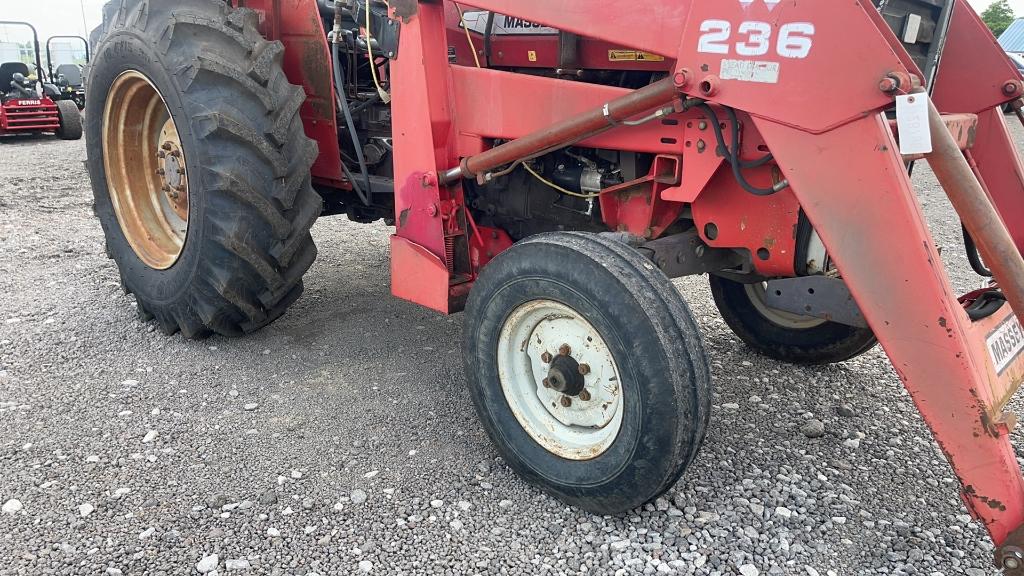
point(795, 39)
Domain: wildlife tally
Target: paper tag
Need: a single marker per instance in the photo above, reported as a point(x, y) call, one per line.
point(912, 124)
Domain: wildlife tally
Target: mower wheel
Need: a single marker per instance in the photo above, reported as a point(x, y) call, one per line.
point(785, 336)
point(70, 120)
point(587, 370)
point(200, 165)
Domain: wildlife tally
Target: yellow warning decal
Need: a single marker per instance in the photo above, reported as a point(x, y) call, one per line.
point(633, 56)
point(532, 55)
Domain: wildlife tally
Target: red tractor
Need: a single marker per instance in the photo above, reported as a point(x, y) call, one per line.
point(26, 108)
point(549, 166)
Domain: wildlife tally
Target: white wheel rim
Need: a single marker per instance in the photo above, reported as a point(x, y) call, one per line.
point(587, 426)
point(756, 293)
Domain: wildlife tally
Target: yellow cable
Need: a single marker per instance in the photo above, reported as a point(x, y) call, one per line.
point(551, 184)
point(469, 37)
point(384, 96)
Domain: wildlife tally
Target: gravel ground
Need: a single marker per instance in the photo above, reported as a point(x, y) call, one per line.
point(341, 439)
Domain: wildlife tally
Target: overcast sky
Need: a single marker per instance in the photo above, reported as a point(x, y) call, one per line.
point(53, 17)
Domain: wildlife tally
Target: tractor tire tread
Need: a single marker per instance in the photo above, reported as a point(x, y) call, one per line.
point(260, 204)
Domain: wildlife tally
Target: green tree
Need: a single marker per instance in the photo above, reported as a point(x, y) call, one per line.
point(998, 16)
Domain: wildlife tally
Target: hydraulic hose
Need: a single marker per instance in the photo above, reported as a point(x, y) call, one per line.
point(340, 87)
point(732, 155)
point(973, 256)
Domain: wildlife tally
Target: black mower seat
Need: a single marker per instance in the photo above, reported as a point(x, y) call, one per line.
point(72, 73)
point(7, 72)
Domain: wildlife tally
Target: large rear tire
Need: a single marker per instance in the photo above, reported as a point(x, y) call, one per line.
point(587, 370)
point(782, 335)
point(199, 165)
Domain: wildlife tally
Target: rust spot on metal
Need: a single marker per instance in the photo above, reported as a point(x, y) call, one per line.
point(403, 218)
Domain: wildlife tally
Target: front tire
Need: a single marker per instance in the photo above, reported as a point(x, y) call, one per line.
point(782, 335)
point(587, 370)
point(200, 165)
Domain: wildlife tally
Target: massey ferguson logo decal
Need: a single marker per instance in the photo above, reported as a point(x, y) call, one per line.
point(476, 20)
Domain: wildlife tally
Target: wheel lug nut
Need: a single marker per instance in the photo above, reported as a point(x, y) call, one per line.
point(546, 358)
point(166, 146)
point(584, 369)
point(566, 401)
point(584, 395)
point(160, 171)
point(564, 350)
point(547, 383)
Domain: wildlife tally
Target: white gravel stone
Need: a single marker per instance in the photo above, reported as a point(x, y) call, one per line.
point(273, 532)
point(85, 509)
point(365, 566)
point(749, 570)
point(357, 496)
point(237, 565)
point(150, 436)
point(12, 507)
point(250, 406)
point(619, 545)
point(207, 564)
point(147, 533)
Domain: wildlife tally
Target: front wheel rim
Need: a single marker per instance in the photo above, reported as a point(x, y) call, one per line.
point(560, 380)
point(146, 172)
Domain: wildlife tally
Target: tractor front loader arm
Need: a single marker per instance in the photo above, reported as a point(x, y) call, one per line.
point(810, 80)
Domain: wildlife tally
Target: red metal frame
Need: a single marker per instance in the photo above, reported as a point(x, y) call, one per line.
point(822, 119)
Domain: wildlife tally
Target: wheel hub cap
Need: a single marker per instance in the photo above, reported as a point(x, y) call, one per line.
point(173, 177)
point(564, 376)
